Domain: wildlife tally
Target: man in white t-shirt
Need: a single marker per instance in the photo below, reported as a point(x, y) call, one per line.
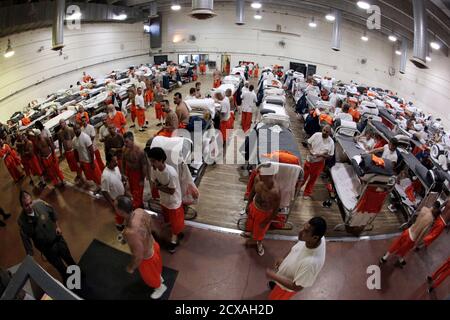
point(139, 102)
point(344, 114)
point(249, 100)
point(82, 143)
point(113, 186)
point(90, 131)
point(389, 151)
point(321, 147)
point(300, 268)
point(165, 179)
point(225, 114)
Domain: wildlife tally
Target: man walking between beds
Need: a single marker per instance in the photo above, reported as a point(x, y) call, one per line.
point(412, 237)
point(321, 147)
point(262, 207)
point(145, 250)
point(165, 178)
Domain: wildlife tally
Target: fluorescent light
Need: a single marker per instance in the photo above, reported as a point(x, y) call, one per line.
point(146, 28)
point(363, 5)
point(435, 45)
point(121, 16)
point(312, 23)
point(9, 50)
point(256, 5)
point(365, 38)
point(398, 52)
point(74, 16)
point(9, 54)
point(175, 7)
point(330, 17)
point(257, 16)
point(428, 58)
point(392, 38)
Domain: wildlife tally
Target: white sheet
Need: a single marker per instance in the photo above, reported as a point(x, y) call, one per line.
point(207, 104)
point(66, 115)
point(347, 184)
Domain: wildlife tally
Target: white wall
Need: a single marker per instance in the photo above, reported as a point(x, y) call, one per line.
point(95, 48)
point(429, 89)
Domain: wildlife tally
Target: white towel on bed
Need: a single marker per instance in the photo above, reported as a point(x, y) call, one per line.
point(286, 178)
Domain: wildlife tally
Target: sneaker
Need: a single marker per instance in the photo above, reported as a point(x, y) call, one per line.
point(327, 204)
point(159, 125)
point(430, 290)
point(382, 261)
point(392, 208)
point(307, 198)
point(2, 224)
point(120, 227)
point(159, 292)
point(173, 247)
point(121, 239)
point(142, 130)
point(145, 127)
point(133, 126)
point(42, 185)
point(260, 250)
point(400, 264)
point(245, 235)
point(429, 279)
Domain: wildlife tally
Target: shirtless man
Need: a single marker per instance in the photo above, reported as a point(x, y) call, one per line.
point(114, 144)
point(145, 250)
point(171, 123)
point(46, 151)
point(65, 136)
point(30, 161)
point(182, 111)
point(135, 168)
point(263, 206)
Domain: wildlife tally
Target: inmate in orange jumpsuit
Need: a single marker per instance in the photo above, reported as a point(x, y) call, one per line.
point(12, 161)
point(151, 268)
point(137, 190)
point(51, 167)
point(175, 217)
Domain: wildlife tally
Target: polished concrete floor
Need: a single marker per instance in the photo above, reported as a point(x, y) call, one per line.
point(214, 265)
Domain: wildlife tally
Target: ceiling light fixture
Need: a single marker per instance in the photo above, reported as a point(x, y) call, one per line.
point(256, 5)
point(428, 58)
point(398, 52)
point(435, 45)
point(392, 38)
point(9, 50)
point(175, 7)
point(330, 17)
point(363, 5)
point(364, 37)
point(121, 16)
point(257, 15)
point(312, 23)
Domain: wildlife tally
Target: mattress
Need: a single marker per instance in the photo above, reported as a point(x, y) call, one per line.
point(347, 184)
point(383, 130)
point(257, 144)
point(276, 100)
point(349, 146)
point(223, 88)
point(198, 105)
point(417, 168)
point(53, 122)
point(267, 108)
point(387, 115)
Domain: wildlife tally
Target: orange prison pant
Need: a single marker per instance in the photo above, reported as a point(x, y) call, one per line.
point(175, 217)
point(255, 218)
point(312, 173)
point(151, 269)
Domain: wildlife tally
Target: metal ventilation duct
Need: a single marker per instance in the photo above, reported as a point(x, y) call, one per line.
point(336, 36)
point(202, 9)
point(404, 56)
point(240, 4)
point(58, 25)
point(420, 34)
point(153, 9)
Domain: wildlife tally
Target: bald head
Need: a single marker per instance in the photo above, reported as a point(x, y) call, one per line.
point(326, 132)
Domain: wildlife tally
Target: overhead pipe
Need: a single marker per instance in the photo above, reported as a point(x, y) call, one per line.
point(240, 4)
point(58, 25)
point(404, 56)
point(420, 34)
point(337, 35)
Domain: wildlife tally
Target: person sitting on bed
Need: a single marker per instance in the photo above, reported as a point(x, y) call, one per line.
point(366, 141)
point(389, 151)
point(344, 114)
